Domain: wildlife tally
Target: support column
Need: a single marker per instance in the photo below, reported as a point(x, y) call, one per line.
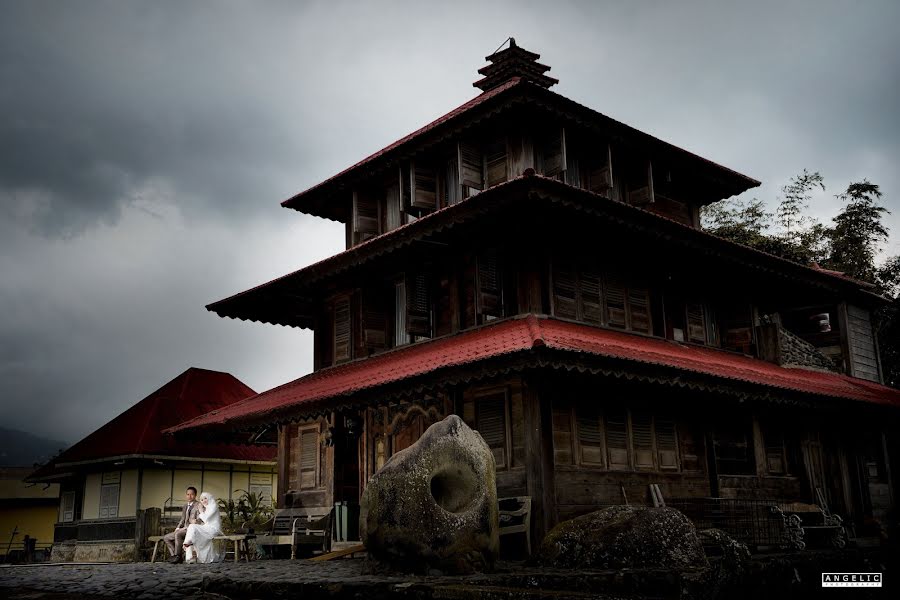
point(540, 483)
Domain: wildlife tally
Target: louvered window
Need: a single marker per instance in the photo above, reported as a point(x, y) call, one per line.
point(393, 207)
point(423, 186)
point(564, 290)
point(696, 323)
point(638, 310)
point(109, 501)
point(666, 443)
point(490, 291)
point(495, 162)
point(491, 424)
point(590, 285)
point(471, 166)
point(614, 297)
point(67, 507)
point(553, 153)
point(692, 451)
point(365, 216)
point(309, 456)
point(418, 305)
point(342, 326)
point(599, 176)
point(562, 433)
point(642, 439)
point(617, 439)
point(375, 319)
point(640, 189)
point(590, 438)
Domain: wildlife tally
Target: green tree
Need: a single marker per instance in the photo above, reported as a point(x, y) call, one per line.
point(791, 209)
point(858, 232)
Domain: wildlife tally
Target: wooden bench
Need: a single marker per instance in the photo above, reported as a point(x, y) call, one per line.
point(241, 549)
point(515, 517)
point(296, 526)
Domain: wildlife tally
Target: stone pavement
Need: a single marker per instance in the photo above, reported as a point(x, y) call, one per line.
point(345, 578)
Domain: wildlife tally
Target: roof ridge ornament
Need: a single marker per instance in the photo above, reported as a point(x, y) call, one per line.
point(511, 62)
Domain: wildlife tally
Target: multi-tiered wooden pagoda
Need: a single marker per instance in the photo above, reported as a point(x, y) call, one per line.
point(538, 268)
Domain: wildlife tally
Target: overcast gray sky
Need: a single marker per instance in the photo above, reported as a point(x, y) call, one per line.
point(144, 148)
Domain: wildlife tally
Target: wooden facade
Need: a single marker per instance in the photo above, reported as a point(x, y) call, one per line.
point(524, 203)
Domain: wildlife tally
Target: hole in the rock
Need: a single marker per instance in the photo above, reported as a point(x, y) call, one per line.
point(454, 488)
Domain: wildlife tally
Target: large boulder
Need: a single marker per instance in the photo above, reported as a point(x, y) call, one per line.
point(625, 537)
point(433, 506)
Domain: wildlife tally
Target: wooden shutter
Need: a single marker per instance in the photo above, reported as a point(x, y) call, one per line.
point(564, 295)
point(775, 455)
point(641, 193)
point(109, 501)
point(470, 165)
point(490, 295)
point(614, 298)
point(418, 305)
point(562, 433)
point(691, 448)
point(599, 178)
point(423, 186)
point(309, 456)
point(639, 310)
point(696, 323)
point(393, 207)
point(861, 343)
point(666, 444)
point(453, 192)
point(572, 172)
point(404, 185)
point(590, 286)
point(590, 438)
point(642, 439)
point(495, 162)
point(68, 507)
point(491, 421)
point(365, 216)
point(342, 341)
point(553, 153)
point(375, 319)
point(617, 439)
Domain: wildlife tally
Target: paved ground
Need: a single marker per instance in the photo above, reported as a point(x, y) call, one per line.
point(282, 579)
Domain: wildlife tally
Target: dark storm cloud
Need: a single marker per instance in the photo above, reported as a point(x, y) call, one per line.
point(144, 148)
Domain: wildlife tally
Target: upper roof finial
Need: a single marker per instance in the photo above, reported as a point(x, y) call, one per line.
point(513, 62)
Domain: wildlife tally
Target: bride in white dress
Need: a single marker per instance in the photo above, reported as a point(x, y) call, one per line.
point(198, 541)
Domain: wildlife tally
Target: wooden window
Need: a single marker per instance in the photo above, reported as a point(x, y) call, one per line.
point(696, 323)
point(452, 189)
point(423, 187)
point(691, 445)
point(598, 175)
point(737, 328)
point(642, 440)
point(640, 184)
point(776, 453)
point(375, 319)
point(552, 153)
point(638, 310)
point(109, 501)
point(576, 293)
point(309, 456)
point(495, 166)
point(366, 222)
point(67, 507)
point(342, 327)
point(863, 357)
point(418, 305)
point(393, 207)
point(666, 443)
point(470, 159)
point(617, 439)
point(562, 433)
point(490, 418)
point(614, 303)
point(590, 438)
point(874, 458)
point(490, 289)
point(401, 336)
point(733, 445)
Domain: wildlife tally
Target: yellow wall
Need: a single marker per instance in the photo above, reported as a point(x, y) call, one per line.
point(216, 483)
point(184, 478)
point(156, 488)
point(91, 506)
point(128, 487)
point(36, 522)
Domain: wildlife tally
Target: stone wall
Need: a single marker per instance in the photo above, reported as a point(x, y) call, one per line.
point(780, 346)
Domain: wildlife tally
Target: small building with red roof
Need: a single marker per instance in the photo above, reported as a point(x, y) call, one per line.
point(127, 466)
point(539, 269)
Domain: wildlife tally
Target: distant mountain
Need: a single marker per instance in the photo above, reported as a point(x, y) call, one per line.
point(22, 449)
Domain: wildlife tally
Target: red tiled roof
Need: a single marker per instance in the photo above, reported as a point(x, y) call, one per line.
point(744, 184)
point(138, 430)
point(525, 334)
